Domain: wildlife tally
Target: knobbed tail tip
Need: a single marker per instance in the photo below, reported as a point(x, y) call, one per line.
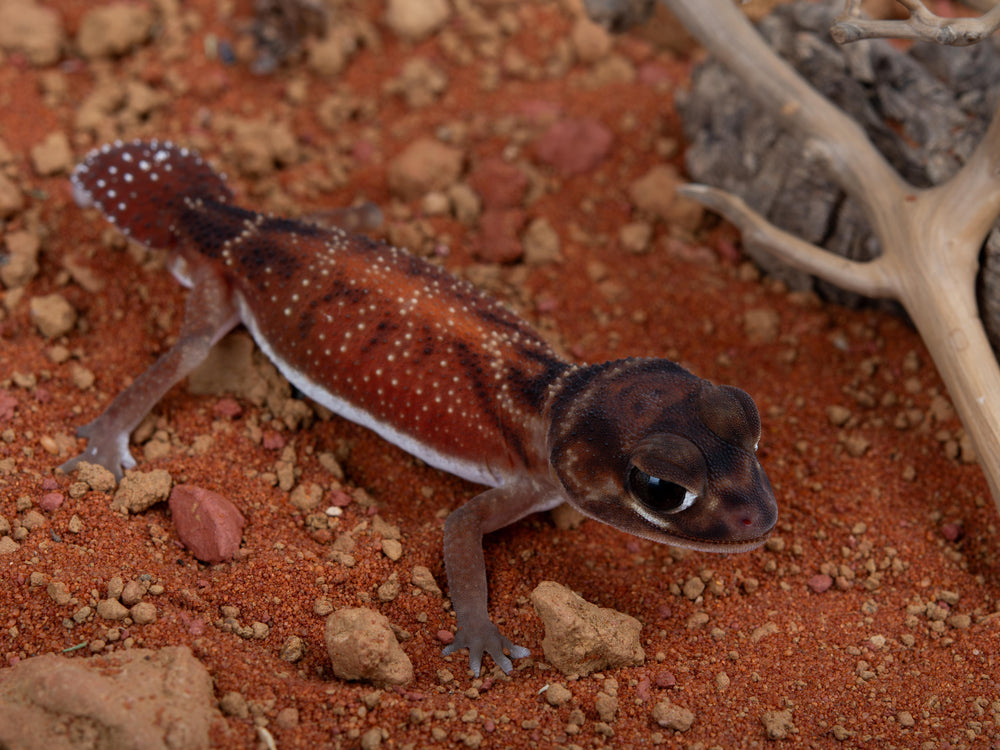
point(140, 186)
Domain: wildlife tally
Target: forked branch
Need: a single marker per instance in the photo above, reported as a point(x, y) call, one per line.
point(921, 24)
point(930, 239)
point(871, 279)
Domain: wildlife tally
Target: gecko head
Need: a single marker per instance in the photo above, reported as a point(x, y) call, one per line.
point(647, 447)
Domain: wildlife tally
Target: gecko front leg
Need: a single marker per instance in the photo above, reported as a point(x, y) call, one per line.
point(209, 314)
point(465, 565)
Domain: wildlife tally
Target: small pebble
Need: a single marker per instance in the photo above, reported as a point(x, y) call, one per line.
point(50, 501)
point(820, 583)
point(111, 609)
point(96, 477)
point(143, 613)
point(672, 716)
point(952, 531)
point(208, 524)
point(574, 146)
point(557, 694)
point(52, 315)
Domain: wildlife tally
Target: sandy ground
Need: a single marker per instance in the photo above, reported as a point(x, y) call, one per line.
point(870, 618)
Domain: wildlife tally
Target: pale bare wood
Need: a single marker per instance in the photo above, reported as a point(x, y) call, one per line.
point(921, 24)
point(873, 278)
point(930, 239)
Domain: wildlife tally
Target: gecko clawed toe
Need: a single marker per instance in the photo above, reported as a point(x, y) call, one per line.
point(434, 365)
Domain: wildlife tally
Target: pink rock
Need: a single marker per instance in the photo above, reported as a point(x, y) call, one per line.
point(207, 523)
point(498, 240)
point(340, 499)
point(664, 679)
point(574, 146)
point(227, 407)
point(820, 583)
point(952, 531)
point(499, 184)
point(7, 406)
point(445, 636)
point(643, 689)
point(273, 441)
point(50, 501)
point(363, 151)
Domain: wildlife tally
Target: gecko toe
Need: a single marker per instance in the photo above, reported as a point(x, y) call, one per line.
point(486, 640)
point(518, 652)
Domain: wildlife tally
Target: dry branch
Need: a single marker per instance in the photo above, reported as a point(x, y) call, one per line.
point(930, 238)
point(922, 24)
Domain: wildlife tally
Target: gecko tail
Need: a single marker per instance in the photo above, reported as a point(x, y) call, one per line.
point(143, 186)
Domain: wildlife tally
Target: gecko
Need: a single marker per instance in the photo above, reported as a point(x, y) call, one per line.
point(436, 366)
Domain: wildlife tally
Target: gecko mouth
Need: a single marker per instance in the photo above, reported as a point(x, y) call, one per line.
point(744, 545)
point(719, 544)
point(700, 543)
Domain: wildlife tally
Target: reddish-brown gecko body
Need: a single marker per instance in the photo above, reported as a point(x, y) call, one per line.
point(440, 369)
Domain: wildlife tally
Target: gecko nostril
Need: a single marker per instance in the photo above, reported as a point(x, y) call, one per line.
point(747, 521)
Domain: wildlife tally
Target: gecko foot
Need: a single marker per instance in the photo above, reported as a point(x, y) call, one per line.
point(486, 639)
point(110, 452)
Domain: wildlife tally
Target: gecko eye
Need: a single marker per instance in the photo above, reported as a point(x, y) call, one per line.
point(659, 495)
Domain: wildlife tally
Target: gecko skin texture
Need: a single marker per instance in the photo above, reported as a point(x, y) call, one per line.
point(435, 366)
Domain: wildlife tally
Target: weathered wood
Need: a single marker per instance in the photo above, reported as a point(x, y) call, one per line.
point(921, 23)
point(925, 110)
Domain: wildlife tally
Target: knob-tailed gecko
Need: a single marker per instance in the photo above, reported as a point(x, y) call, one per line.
point(435, 366)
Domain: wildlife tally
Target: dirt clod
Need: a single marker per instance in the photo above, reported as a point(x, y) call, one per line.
point(672, 716)
point(777, 724)
point(574, 146)
point(362, 646)
point(137, 700)
point(415, 19)
point(140, 491)
point(114, 29)
point(96, 477)
point(34, 30)
point(425, 165)
point(581, 638)
point(53, 315)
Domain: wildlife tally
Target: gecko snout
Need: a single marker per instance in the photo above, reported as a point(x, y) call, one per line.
point(757, 512)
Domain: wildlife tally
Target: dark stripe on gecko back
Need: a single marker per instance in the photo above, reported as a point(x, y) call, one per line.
point(256, 242)
point(474, 371)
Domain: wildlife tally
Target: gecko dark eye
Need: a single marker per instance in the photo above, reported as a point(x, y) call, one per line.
point(659, 495)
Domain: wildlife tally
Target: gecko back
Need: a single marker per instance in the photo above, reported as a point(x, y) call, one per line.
point(143, 187)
